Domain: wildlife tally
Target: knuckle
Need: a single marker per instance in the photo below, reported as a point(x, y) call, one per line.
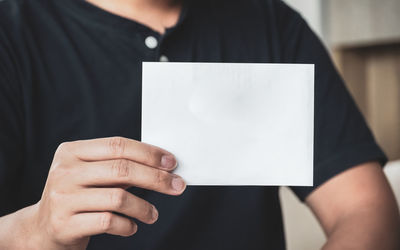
point(105, 221)
point(56, 167)
point(120, 168)
point(117, 146)
point(59, 171)
point(56, 226)
point(118, 198)
point(56, 196)
point(57, 164)
point(56, 199)
point(63, 147)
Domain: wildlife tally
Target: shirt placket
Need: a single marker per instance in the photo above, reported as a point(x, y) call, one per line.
point(154, 42)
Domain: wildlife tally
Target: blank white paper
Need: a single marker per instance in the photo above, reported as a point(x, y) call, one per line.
point(232, 123)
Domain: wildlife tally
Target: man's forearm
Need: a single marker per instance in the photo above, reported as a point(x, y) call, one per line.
point(15, 230)
point(366, 229)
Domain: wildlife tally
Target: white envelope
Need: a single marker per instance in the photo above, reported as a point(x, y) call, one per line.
point(232, 123)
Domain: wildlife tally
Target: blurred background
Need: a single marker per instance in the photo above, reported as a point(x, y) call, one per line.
point(363, 37)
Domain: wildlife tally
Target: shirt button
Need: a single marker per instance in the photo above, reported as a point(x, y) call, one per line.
point(164, 58)
point(151, 42)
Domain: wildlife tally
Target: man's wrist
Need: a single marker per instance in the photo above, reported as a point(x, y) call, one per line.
point(18, 230)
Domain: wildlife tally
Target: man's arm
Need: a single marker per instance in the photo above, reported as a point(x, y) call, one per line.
point(357, 210)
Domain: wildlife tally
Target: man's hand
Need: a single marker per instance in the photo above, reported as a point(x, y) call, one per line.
point(357, 210)
point(86, 184)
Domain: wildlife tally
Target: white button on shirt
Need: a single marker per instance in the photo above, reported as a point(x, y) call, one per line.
point(151, 42)
point(164, 58)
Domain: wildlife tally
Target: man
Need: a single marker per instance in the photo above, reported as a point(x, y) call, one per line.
point(70, 97)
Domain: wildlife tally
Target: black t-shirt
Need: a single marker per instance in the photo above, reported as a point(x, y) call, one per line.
point(70, 70)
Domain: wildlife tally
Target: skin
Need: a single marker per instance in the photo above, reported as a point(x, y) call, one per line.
point(85, 185)
point(87, 182)
point(357, 210)
point(156, 14)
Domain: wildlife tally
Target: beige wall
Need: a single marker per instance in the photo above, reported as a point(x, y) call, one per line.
point(310, 11)
point(302, 230)
point(361, 22)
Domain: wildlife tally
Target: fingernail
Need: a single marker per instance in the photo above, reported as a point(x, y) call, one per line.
point(135, 228)
point(168, 161)
point(154, 213)
point(178, 184)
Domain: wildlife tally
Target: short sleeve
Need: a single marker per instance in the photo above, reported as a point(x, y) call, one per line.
point(11, 127)
point(342, 138)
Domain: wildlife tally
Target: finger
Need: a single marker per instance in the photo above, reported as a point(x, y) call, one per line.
point(113, 200)
point(128, 173)
point(121, 148)
point(88, 224)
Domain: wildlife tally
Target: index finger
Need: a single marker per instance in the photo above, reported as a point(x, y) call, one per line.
point(111, 148)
